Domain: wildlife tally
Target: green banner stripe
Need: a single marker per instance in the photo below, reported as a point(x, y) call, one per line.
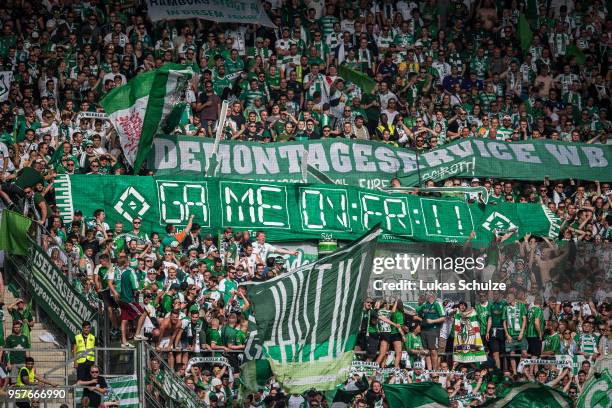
point(125, 96)
point(297, 212)
point(372, 164)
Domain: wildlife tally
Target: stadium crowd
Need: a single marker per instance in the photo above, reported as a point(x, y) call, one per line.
point(410, 74)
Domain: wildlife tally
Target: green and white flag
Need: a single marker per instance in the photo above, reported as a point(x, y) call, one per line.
point(530, 395)
point(6, 77)
point(123, 389)
point(418, 395)
point(147, 105)
point(307, 320)
point(597, 391)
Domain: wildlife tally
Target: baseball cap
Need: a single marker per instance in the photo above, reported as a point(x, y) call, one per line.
point(215, 381)
point(506, 117)
point(175, 286)
point(208, 236)
point(475, 180)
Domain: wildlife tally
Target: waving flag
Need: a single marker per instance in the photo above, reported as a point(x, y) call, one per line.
point(148, 104)
point(425, 395)
point(307, 320)
point(597, 391)
point(530, 395)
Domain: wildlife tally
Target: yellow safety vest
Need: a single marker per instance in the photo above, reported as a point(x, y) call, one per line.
point(81, 346)
point(31, 377)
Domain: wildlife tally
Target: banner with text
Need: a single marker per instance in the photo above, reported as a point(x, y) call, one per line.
point(54, 293)
point(372, 164)
point(294, 212)
point(220, 11)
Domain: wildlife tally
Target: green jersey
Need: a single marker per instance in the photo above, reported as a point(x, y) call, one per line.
point(535, 312)
point(17, 342)
point(587, 342)
point(496, 312)
point(413, 342)
point(227, 334)
point(514, 317)
point(384, 327)
point(129, 285)
point(430, 311)
point(483, 317)
point(397, 317)
point(552, 343)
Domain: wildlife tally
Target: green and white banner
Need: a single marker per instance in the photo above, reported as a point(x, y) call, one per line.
point(294, 212)
point(236, 11)
point(372, 164)
point(54, 293)
point(307, 320)
point(527, 394)
point(597, 391)
point(145, 106)
point(120, 389)
point(6, 77)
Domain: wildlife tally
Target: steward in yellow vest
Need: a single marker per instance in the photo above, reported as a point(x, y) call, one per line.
point(26, 377)
point(84, 341)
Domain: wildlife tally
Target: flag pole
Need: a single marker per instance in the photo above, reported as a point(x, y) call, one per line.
point(218, 135)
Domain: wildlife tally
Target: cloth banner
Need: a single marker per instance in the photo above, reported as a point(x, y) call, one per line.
point(122, 389)
point(560, 361)
point(306, 321)
point(527, 395)
point(52, 291)
point(243, 12)
point(145, 106)
point(371, 164)
point(14, 232)
point(294, 212)
point(467, 347)
point(174, 388)
point(597, 391)
point(425, 394)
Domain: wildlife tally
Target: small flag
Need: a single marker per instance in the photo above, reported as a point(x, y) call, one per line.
point(145, 106)
point(525, 34)
point(425, 395)
point(14, 233)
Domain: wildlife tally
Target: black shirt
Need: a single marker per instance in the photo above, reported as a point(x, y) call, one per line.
point(95, 399)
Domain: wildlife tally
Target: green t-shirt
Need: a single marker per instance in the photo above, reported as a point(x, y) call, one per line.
point(166, 304)
point(483, 317)
point(534, 313)
point(17, 341)
point(552, 343)
point(128, 286)
point(227, 334)
point(496, 312)
point(413, 342)
point(513, 315)
point(430, 311)
point(397, 317)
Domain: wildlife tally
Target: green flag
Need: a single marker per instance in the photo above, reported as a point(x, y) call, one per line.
point(524, 33)
point(121, 389)
point(254, 374)
point(145, 106)
point(596, 392)
point(14, 233)
point(360, 79)
point(307, 320)
point(530, 395)
point(345, 394)
point(425, 394)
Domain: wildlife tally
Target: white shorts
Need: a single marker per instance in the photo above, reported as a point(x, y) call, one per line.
point(165, 342)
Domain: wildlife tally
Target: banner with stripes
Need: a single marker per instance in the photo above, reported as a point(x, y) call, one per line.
point(307, 321)
point(122, 389)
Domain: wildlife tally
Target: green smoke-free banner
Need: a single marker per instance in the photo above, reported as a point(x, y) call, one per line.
point(373, 164)
point(53, 292)
point(307, 320)
point(293, 212)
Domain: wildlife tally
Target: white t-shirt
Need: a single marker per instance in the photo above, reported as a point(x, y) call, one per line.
point(263, 250)
point(4, 153)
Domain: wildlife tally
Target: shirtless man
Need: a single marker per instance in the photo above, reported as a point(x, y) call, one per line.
point(168, 335)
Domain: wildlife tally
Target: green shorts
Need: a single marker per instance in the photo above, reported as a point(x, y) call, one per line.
point(516, 345)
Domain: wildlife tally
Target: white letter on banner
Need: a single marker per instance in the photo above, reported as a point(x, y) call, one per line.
point(292, 153)
point(317, 157)
point(231, 196)
point(264, 206)
point(188, 159)
point(165, 154)
point(564, 154)
point(387, 160)
point(523, 153)
point(498, 151)
point(437, 157)
point(409, 161)
point(340, 159)
point(595, 155)
point(223, 154)
point(243, 161)
point(266, 161)
point(482, 148)
point(361, 153)
point(207, 150)
point(306, 204)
